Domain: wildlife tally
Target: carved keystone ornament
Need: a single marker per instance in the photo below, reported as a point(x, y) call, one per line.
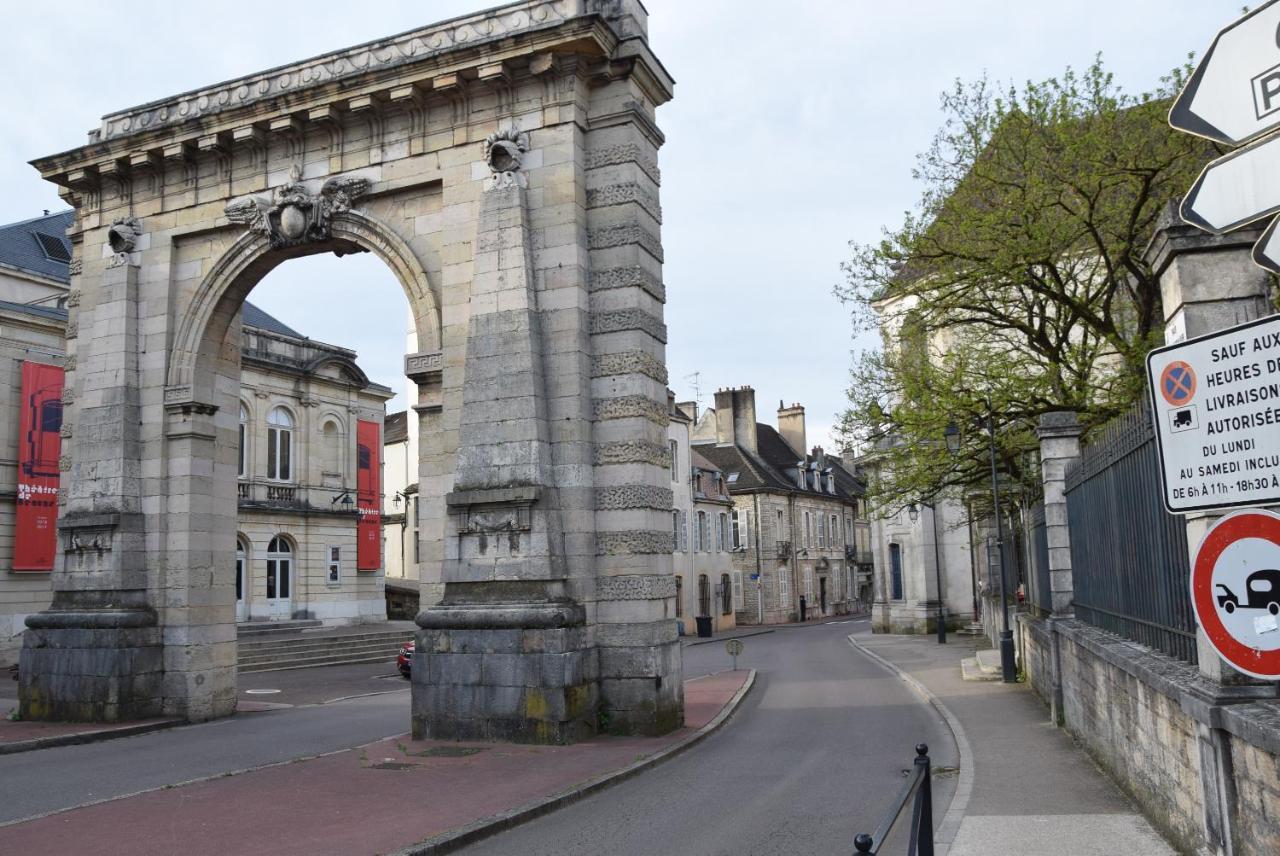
point(504, 153)
point(295, 215)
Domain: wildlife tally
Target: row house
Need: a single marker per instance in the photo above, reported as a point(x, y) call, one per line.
point(798, 528)
point(708, 586)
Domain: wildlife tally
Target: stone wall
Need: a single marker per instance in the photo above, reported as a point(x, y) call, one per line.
point(1154, 725)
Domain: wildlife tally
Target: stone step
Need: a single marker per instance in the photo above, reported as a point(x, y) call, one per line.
point(971, 671)
point(989, 661)
point(330, 653)
point(271, 628)
point(970, 629)
point(315, 662)
point(300, 644)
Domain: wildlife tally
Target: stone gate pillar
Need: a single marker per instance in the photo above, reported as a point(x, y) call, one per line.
point(96, 653)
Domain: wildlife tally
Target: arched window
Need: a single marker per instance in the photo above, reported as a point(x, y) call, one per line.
point(279, 444)
point(331, 469)
point(704, 595)
point(726, 595)
point(244, 440)
point(242, 554)
point(279, 568)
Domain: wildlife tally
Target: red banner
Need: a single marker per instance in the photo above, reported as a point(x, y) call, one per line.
point(369, 496)
point(39, 447)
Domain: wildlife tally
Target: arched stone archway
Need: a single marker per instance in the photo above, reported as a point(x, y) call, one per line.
point(503, 165)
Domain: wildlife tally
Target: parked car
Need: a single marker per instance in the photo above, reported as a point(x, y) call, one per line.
point(1262, 589)
point(404, 660)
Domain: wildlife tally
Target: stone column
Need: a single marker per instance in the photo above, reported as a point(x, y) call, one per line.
point(95, 654)
point(1059, 435)
point(506, 654)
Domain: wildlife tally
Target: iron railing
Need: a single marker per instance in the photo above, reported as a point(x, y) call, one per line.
point(1040, 595)
point(918, 790)
point(784, 549)
point(1129, 558)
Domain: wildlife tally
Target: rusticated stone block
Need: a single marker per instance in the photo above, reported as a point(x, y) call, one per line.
point(635, 587)
point(621, 154)
point(633, 452)
point(627, 496)
point(628, 277)
point(629, 362)
point(628, 319)
point(620, 236)
point(631, 407)
point(637, 542)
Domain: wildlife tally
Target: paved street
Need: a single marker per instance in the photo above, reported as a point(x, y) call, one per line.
point(815, 754)
point(35, 783)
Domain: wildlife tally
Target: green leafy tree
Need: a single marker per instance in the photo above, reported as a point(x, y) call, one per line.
point(1019, 285)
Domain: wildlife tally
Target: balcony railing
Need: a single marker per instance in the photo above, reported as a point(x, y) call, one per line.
point(784, 549)
point(242, 490)
point(281, 493)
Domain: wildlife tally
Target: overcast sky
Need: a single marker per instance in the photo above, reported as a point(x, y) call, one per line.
point(793, 131)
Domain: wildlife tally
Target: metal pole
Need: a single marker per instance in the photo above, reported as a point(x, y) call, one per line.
point(937, 567)
point(1007, 668)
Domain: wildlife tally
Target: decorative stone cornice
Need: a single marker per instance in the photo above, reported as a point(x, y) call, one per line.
point(632, 452)
point(628, 277)
point(636, 587)
point(488, 26)
point(623, 194)
point(629, 496)
point(625, 235)
point(633, 542)
point(628, 319)
point(629, 362)
point(623, 154)
point(632, 407)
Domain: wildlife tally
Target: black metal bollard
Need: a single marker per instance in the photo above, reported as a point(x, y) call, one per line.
point(922, 831)
point(862, 842)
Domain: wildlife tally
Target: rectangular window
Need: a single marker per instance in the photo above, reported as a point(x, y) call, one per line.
point(835, 529)
point(241, 461)
point(739, 536)
point(684, 531)
point(704, 532)
point(895, 570)
point(679, 596)
point(737, 591)
point(416, 542)
point(784, 589)
point(848, 530)
point(780, 537)
point(675, 461)
point(335, 564)
point(675, 532)
point(721, 519)
point(808, 586)
point(808, 530)
point(822, 531)
point(272, 457)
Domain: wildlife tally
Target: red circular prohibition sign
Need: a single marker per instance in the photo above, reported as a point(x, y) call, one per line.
point(1224, 533)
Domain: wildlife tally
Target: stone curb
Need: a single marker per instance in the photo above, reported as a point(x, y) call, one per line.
point(81, 737)
point(453, 840)
point(727, 638)
point(950, 825)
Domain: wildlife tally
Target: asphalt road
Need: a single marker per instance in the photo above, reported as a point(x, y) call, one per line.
point(815, 754)
point(35, 783)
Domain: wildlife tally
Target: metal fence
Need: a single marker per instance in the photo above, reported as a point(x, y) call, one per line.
point(1040, 594)
point(1129, 557)
point(918, 792)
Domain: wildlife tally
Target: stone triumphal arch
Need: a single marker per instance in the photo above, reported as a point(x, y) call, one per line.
point(503, 166)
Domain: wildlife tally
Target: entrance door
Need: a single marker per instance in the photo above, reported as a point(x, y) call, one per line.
point(279, 579)
point(822, 594)
point(242, 608)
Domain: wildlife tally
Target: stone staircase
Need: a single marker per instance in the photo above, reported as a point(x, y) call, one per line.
point(984, 667)
point(304, 644)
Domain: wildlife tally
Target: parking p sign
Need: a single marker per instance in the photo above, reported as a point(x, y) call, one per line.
point(1215, 402)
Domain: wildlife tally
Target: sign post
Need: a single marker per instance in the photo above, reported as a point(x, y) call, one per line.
point(734, 647)
point(1215, 401)
point(1235, 590)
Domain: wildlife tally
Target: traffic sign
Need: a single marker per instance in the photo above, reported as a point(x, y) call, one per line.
point(1236, 190)
point(1215, 404)
point(1235, 590)
point(734, 647)
point(1233, 96)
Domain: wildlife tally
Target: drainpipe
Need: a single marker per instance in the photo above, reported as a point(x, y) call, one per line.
point(759, 562)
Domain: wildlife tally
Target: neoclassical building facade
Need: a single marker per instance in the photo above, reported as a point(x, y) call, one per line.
point(300, 403)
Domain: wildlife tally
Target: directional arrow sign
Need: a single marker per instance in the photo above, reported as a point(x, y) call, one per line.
point(1234, 95)
point(1266, 253)
point(1236, 190)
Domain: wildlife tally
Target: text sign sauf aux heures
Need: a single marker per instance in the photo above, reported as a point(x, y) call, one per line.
point(1215, 401)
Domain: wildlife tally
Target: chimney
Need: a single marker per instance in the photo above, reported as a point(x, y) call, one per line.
point(736, 418)
point(791, 426)
point(690, 408)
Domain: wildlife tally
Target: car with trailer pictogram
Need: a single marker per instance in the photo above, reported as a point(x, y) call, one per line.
point(1262, 591)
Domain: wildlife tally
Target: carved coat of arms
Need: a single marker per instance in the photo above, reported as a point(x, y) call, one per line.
point(294, 215)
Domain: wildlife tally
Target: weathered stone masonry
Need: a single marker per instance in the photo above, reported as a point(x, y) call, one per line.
point(503, 165)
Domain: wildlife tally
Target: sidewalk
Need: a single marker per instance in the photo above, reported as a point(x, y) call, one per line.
point(1025, 788)
point(392, 795)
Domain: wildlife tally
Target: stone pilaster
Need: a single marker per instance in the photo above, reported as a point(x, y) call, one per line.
point(95, 653)
point(1059, 435)
point(506, 653)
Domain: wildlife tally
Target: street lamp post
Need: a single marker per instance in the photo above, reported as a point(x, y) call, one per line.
point(1008, 670)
